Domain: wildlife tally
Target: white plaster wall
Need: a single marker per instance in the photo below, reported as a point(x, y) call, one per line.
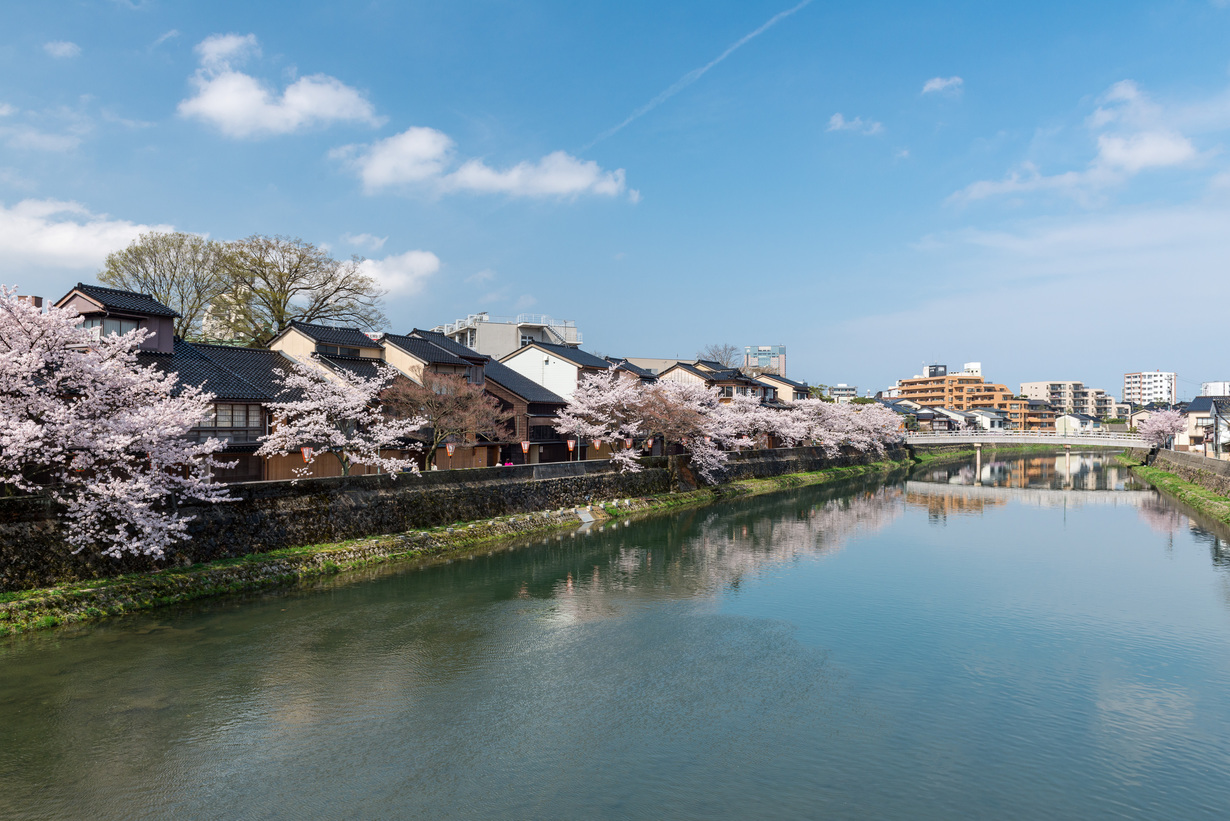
point(550, 371)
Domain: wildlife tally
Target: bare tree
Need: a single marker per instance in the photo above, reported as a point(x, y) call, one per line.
point(271, 281)
point(182, 271)
point(450, 407)
point(729, 356)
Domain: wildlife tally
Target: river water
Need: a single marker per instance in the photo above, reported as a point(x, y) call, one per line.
point(1040, 639)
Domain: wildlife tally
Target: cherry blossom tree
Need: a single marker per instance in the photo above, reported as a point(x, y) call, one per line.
point(1159, 428)
point(450, 407)
point(84, 423)
point(687, 415)
point(606, 407)
point(836, 425)
point(338, 414)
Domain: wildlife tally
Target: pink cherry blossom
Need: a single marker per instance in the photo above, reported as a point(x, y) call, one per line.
point(82, 422)
point(338, 414)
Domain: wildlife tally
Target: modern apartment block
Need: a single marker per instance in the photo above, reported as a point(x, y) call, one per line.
point(963, 390)
point(1215, 388)
point(1145, 387)
point(766, 358)
point(1072, 397)
point(843, 392)
point(498, 336)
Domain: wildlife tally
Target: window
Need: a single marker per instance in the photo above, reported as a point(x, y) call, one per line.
point(526, 339)
point(110, 325)
point(334, 350)
point(235, 422)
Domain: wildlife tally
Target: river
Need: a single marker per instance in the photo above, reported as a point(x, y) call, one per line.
point(1039, 639)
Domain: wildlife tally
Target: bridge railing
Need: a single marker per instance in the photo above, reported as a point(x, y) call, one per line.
point(976, 434)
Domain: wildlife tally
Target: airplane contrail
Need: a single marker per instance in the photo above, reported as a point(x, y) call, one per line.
point(693, 75)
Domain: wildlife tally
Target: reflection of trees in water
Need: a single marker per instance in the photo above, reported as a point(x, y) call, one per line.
point(715, 548)
point(1163, 516)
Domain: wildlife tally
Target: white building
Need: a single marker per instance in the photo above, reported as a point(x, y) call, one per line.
point(843, 392)
point(1071, 397)
point(1215, 388)
point(1144, 387)
point(498, 336)
point(558, 368)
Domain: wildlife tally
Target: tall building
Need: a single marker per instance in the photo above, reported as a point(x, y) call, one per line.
point(1071, 397)
point(498, 336)
point(1215, 388)
point(961, 390)
point(766, 358)
point(1151, 386)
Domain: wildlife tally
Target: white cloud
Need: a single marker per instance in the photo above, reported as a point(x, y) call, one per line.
point(556, 175)
point(1136, 152)
point(369, 241)
point(7, 110)
point(162, 38)
point(402, 274)
point(937, 84)
point(62, 49)
point(1136, 135)
point(413, 156)
point(485, 275)
point(423, 156)
point(839, 123)
point(57, 234)
point(28, 138)
point(239, 105)
point(217, 52)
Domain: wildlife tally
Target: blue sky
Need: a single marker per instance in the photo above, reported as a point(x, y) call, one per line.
point(1040, 187)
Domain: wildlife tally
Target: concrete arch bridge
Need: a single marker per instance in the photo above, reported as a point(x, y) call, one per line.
point(1028, 437)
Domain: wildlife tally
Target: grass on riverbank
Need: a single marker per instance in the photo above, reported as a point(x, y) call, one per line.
point(76, 602)
point(1205, 501)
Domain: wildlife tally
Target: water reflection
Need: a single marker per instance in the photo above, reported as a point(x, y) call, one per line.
point(1080, 471)
point(1056, 650)
point(714, 548)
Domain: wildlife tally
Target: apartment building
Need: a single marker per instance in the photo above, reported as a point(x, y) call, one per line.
point(843, 392)
point(1215, 388)
point(1144, 387)
point(1071, 397)
point(766, 358)
point(962, 391)
point(498, 336)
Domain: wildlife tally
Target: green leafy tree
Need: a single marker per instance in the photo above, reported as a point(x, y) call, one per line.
point(272, 281)
point(182, 271)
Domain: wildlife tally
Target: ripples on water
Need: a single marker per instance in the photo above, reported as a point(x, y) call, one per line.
point(1041, 638)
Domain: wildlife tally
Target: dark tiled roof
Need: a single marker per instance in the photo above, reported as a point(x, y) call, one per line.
point(194, 367)
point(522, 386)
point(255, 366)
point(692, 369)
point(357, 365)
point(455, 348)
point(428, 352)
point(114, 299)
point(624, 365)
point(574, 355)
point(1201, 404)
point(712, 364)
point(798, 385)
point(347, 337)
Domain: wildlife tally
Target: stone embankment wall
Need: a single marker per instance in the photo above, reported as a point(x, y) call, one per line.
point(1210, 474)
point(271, 515)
